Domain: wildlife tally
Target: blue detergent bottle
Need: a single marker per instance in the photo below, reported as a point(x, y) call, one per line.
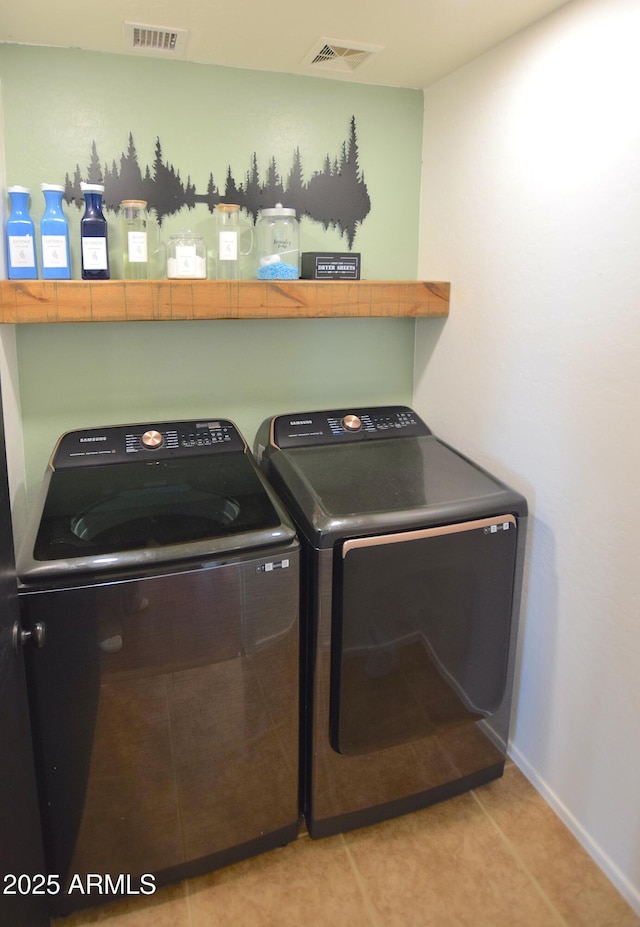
point(54, 235)
point(21, 237)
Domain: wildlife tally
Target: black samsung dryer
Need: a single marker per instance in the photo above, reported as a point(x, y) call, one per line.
point(164, 701)
point(412, 559)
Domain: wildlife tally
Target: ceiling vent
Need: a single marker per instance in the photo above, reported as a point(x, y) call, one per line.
point(155, 40)
point(339, 54)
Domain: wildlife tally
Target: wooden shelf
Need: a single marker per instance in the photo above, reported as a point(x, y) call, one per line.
point(42, 301)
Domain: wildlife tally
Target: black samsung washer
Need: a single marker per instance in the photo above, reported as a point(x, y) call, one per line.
point(165, 699)
point(412, 572)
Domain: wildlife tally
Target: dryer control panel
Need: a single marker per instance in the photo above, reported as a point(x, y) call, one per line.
point(155, 440)
point(342, 425)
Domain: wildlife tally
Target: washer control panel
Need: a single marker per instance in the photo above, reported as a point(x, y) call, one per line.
point(344, 425)
point(153, 441)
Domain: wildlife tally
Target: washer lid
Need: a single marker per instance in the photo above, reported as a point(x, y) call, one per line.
point(151, 510)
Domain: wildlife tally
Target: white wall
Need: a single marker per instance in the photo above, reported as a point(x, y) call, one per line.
point(531, 208)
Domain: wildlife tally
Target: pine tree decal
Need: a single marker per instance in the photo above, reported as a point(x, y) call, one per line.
point(168, 189)
point(130, 185)
point(336, 196)
point(213, 196)
point(231, 192)
point(94, 171)
point(294, 194)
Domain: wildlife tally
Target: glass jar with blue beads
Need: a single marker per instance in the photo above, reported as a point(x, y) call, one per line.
point(277, 235)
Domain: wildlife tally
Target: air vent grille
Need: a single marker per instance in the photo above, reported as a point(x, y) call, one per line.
point(339, 54)
point(326, 53)
point(155, 40)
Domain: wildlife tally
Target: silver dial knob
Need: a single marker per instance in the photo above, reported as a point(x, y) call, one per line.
point(352, 423)
point(152, 439)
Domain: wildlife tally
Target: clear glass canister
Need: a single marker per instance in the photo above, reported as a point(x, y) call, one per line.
point(278, 248)
point(134, 221)
point(234, 242)
point(186, 256)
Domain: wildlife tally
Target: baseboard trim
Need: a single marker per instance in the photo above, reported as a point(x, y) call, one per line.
point(630, 892)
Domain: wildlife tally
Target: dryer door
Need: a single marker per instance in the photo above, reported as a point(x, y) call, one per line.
point(420, 638)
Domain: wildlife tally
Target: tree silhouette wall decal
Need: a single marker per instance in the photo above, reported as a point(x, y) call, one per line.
point(335, 196)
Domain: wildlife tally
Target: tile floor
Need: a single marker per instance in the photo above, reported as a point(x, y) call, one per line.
point(495, 857)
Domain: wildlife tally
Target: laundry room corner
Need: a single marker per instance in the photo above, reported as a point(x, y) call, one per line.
point(530, 202)
point(320, 391)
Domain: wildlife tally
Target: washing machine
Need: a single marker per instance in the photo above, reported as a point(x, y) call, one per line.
point(412, 559)
point(161, 575)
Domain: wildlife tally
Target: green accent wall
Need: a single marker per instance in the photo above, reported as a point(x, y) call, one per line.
point(56, 102)
point(73, 376)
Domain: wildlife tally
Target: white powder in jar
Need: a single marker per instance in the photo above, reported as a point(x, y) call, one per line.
point(187, 265)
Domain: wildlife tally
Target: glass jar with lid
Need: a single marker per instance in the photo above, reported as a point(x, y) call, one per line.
point(234, 242)
point(278, 248)
point(135, 239)
point(186, 256)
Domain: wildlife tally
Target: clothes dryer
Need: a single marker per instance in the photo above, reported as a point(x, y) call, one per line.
point(412, 572)
point(164, 701)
